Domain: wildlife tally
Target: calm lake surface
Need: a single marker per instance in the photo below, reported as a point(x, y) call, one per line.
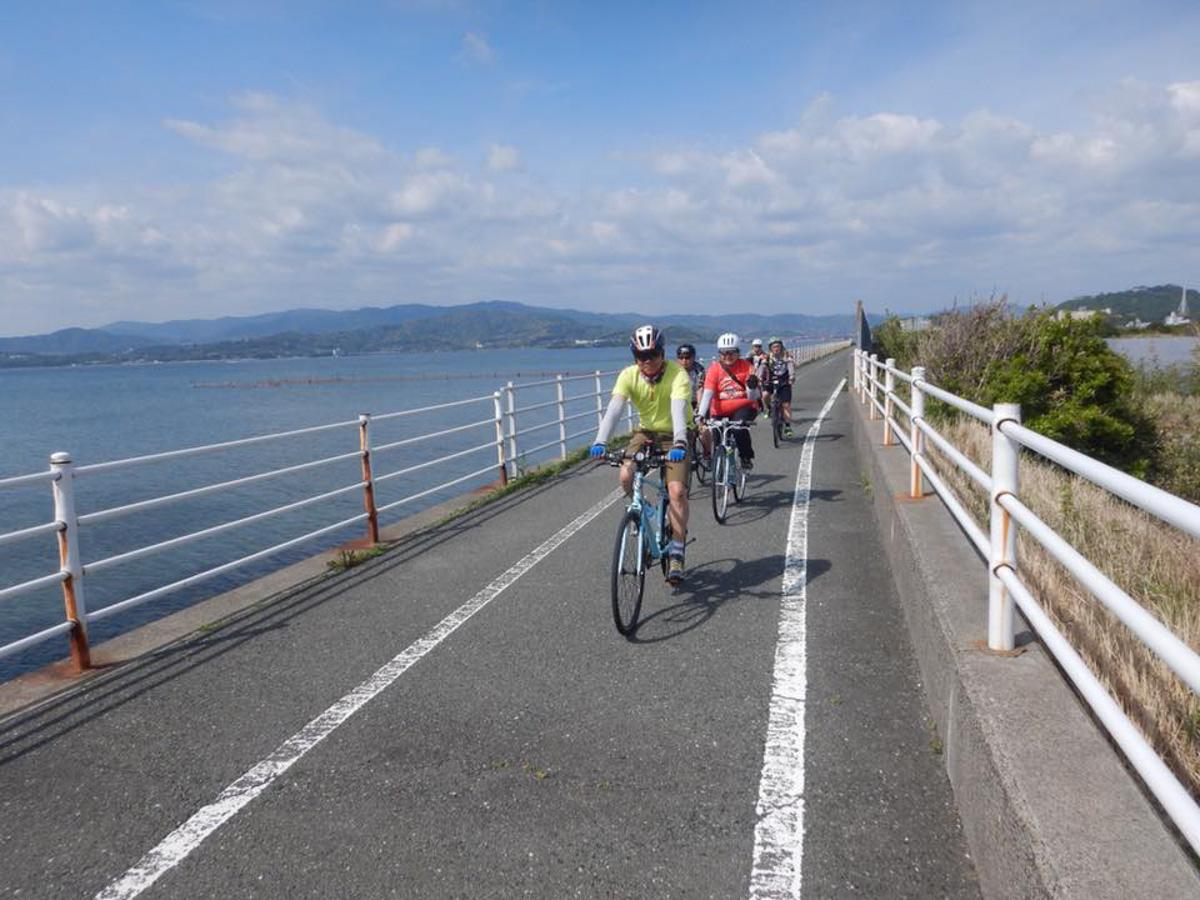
point(1156, 350)
point(103, 413)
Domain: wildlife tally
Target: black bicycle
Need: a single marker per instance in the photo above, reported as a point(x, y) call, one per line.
point(777, 421)
point(700, 466)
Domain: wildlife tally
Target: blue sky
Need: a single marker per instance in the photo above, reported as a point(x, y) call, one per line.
point(195, 159)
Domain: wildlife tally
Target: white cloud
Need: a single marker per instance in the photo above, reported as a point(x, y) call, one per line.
point(503, 158)
point(912, 209)
point(475, 47)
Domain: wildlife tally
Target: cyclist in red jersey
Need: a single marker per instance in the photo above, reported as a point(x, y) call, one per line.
point(731, 391)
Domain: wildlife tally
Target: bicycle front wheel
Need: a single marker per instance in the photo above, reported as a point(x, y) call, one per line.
point(737, 481)
point(628, 573)
point(698, 460)
point(720, 485)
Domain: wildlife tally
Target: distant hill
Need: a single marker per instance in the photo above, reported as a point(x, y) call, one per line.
point(72, 341)
point(326, 321)
point(315, 332)
point(1150, 304)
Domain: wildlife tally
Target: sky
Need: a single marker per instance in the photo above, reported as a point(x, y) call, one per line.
point(197, 158)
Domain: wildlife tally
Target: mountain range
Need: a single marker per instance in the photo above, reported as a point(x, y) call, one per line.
point(316, 332)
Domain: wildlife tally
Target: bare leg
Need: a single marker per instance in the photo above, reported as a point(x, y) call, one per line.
point(678, 510)
point(627, 478)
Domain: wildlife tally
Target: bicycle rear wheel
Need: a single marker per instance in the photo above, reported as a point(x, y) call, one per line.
point(720, 484)
point(698, 460)
point(628, 573)
point(664, 528)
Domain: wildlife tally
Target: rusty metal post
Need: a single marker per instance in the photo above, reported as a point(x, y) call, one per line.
point(1006, 456)
point(500, 437)
point(916, 435)
point(68, 559)
point(562, 417)
point(512, 429)
point(889, 388)
point(364, 444)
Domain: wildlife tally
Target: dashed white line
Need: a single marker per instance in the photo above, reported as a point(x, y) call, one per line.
point(779, 832)
point(188, 836)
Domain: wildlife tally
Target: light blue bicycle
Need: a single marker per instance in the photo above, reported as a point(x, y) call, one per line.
point(643, 537)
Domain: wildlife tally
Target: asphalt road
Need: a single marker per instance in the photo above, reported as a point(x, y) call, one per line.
point(531, 751)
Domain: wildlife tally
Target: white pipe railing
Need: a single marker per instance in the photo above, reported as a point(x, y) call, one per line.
point(1006, 591)
point(500, 426)
point(554, 409)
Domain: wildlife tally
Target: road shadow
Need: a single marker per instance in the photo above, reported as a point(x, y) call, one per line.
point(711, 585)
point(93, 698)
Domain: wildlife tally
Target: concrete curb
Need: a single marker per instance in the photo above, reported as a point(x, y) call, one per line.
point(1048, 806)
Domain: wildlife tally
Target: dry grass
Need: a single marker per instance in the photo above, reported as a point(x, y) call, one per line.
point(1156, 564)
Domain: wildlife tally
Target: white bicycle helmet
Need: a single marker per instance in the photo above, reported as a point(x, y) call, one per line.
point(646, 339)
point(757, 342)
point(727, 341)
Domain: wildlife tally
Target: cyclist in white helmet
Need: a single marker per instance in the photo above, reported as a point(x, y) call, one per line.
point(661, 391)
point(731, 391)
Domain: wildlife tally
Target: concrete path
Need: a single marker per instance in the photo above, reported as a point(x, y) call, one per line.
point(460, 718)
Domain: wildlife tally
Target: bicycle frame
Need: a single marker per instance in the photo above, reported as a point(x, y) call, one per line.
point(650, 515)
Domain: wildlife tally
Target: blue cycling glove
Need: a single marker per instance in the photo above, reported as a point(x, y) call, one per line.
point(597, 451)
point(677, 454)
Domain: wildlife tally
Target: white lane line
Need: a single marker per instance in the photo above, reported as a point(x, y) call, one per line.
point(188, 836)
point(779, 832)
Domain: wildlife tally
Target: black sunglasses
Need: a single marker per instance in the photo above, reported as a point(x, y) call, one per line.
point(685, 356)
point(646, 355)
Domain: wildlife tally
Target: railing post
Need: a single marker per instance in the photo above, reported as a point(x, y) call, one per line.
point(68, 559)
point(1006, 455)
point(854, 367)
point(916, 435)
point(364, 444)
point(599, 400)
point(512, 430)
point(889, 388)
point(562, 417)
point(500, 437)
point(873, 373)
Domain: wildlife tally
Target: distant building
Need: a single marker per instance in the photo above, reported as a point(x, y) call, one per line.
point(1083, 313)
point(1137, 324)
point(1179, 316)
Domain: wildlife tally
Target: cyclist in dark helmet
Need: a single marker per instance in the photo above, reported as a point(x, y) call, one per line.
point(662, 393)
point(686, 354)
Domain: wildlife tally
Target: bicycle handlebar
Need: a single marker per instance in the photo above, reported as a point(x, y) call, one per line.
point(648, 458)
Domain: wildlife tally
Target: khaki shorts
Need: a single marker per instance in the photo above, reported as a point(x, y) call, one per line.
point(676, 471)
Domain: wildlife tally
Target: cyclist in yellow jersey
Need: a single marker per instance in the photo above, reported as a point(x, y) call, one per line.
point(661, 391)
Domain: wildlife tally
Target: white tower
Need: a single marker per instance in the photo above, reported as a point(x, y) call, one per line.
point(1183, 310)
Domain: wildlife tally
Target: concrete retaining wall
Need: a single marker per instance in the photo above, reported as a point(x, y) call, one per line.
point(1048, 806)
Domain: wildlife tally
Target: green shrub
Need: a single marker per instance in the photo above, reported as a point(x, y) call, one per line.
point(1071, 385)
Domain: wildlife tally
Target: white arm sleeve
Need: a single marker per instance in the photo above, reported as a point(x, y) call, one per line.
point(679, 419)
point(615, 406)
point(704, 402)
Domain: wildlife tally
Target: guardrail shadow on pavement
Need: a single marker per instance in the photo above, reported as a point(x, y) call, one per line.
point(94, 698)
point(711, 585)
